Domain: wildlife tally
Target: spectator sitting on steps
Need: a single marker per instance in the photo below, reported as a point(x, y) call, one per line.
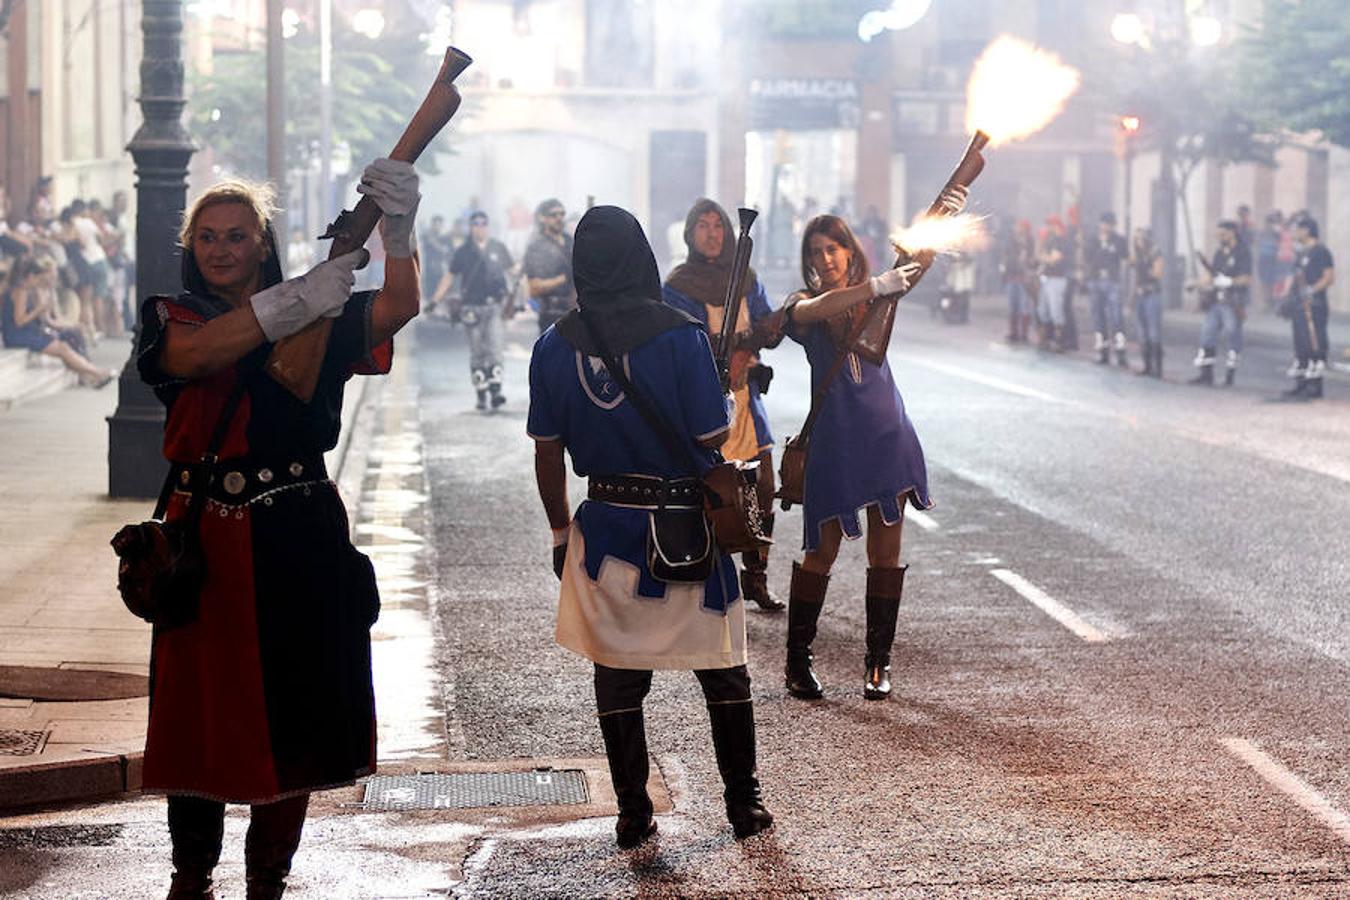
point(27, 306)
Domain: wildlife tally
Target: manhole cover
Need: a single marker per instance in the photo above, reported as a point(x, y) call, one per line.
point(20, 743)
point(45, 683)
point(541, 787)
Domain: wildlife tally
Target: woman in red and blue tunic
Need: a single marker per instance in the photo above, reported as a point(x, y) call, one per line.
point(266, 695)
point(864, 459)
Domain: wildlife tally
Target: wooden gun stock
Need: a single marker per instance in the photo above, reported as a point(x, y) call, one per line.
point(295, 361)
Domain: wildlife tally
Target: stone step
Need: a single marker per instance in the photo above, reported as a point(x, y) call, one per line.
point(28, 376)
point(13, 362)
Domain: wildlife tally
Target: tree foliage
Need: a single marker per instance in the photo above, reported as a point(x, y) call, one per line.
point(377, 84)
point(1192, 103)
point(1296, 67)
point(1190, 109)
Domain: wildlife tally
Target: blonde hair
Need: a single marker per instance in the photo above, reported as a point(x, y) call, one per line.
point(259, 197)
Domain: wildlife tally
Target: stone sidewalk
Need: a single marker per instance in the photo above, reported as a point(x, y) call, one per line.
point(73, 661)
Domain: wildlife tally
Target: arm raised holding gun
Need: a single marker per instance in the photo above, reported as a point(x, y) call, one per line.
point(874, 330)
point(296, 359)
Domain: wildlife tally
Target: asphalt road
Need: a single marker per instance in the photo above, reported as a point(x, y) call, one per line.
point(1192, 535)
point(1121, 668)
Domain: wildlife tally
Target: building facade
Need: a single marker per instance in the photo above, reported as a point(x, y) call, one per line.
point(67, 97)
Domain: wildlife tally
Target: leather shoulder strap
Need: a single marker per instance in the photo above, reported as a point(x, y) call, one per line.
point(818, 397)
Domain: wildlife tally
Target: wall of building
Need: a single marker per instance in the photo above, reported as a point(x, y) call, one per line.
point(90, 57)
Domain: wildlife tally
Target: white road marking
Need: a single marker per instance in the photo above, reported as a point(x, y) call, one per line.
point(1050, 606)
point(1001, 384)
point(1290, 785)
point(922, 519)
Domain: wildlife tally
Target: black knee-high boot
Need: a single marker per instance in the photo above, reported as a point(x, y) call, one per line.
point(884, 587)
point(196, 828)
point(805, 599)
point(733, 733)
point(625, 737)
point(273, 836)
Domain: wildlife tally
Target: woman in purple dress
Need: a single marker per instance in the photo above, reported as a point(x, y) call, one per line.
point(864, 459)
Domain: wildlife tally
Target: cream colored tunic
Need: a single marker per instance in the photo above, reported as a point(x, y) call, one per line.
point(608, 623)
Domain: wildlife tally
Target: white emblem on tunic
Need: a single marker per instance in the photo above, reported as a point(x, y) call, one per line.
point(595, 379)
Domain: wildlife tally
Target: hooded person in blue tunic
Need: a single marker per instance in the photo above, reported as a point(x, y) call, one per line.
point(620, 606)
point(698, 286)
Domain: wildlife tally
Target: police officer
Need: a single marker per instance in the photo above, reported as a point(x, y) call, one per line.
point(1226, 293)
point(1314, 272)
point(1105, 260)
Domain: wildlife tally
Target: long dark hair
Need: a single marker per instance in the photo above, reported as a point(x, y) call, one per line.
point(837, 230)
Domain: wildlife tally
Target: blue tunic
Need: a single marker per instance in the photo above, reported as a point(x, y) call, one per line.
point(864, 451)
point(757, 302)
point(33, 336)
point(573, 399)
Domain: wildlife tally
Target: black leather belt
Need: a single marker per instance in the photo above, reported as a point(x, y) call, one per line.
point(240, 481)
point(646, 491)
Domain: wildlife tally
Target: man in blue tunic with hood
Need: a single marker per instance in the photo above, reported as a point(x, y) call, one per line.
point(613, 610)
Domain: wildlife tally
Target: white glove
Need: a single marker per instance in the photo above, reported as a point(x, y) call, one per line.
point(1223, 281)
point(285, 308)
point(953, 199)
point(393, 187)
point(895, 281)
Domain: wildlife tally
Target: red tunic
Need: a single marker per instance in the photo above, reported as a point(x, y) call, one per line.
point(268, 692)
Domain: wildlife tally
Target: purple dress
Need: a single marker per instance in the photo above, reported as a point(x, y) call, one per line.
point(864, 451)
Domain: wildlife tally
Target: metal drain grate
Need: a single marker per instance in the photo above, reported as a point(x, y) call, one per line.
point(20, 743)
point(541, 787)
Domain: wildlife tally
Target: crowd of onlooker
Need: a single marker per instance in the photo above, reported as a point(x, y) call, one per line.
point(67, 277)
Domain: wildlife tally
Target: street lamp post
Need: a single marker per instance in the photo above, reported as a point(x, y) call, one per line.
point(161, 149)
point(326, 206)
point(1129, 127)
point(276, 120)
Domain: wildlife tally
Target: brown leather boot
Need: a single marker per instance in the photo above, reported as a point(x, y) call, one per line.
point(755, 573)
point(755, 581)
point(805, 599)
point(884, 587)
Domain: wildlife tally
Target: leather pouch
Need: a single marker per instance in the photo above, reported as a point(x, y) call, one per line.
point(680, 546)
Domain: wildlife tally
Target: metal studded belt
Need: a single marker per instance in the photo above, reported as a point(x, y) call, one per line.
point(239, 482)
point(646, 491)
